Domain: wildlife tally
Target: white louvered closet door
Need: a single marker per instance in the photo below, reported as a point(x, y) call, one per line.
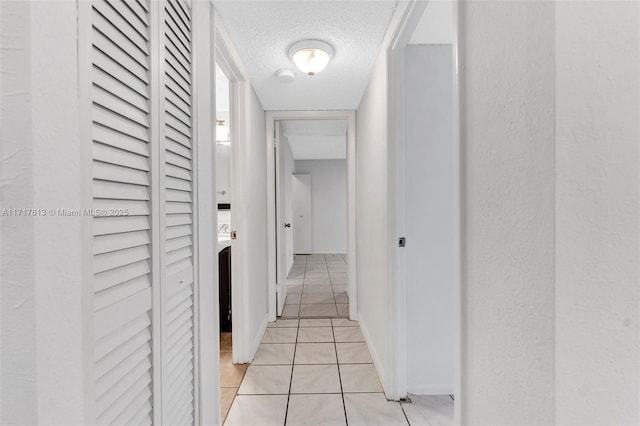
point(122, 252)
point(178, 377)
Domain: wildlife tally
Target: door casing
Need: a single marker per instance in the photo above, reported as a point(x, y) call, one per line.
point(400, 31)
point(229, 62)
point(275, 231)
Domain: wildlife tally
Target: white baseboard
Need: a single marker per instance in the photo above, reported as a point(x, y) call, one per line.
point(258, 338)
point(380, 368)
point(431, 389)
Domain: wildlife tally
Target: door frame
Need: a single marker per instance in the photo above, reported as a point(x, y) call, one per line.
point(281, 259)
point(272, 227)
point(398, 41)
point(228, 59)
point(206, 345)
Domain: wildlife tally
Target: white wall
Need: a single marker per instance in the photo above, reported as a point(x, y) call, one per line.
point(507, 125)
point(328, 204)
point(41, 364)
point(550, 295)
point(289, 169)
point(429, 216)
point(18, 367)
point(371, 238)
point(597, 220)
point(253, 169)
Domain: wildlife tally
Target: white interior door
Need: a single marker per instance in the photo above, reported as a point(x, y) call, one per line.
point(120, 85)
point(302, 214)
point(428, 177)
point(177, 270)
point(281, 241)
point(288, 214)
point(143, 175)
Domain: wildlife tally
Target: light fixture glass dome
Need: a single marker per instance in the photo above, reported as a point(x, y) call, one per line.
point(311, 56)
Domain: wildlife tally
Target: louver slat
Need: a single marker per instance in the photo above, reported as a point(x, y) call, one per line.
point(108, 243)
point(116, 31)
point(124, 20)
point(132, 207)
point(122, 175)
point(140, 8)
point(115, 294)
point(113, 85)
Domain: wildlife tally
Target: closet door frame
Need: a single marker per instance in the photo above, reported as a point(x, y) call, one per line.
point(206, 320)
point(205, 259)
point(206, 343)
point(84, 107)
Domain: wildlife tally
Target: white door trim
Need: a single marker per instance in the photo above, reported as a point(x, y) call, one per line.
point(350, 117)
point(407, 19)
point(205, 226)
point(458, 227)
point(280, 220)
point(227, 57)
point(84, 93)
point(398, 40)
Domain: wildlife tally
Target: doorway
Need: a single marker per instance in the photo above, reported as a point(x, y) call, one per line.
point(231, 373)
point(425, 179)
point(320, 183)
point(311, 198)
point(231, 127)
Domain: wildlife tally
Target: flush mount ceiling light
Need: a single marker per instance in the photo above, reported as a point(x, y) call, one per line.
point(311, 56)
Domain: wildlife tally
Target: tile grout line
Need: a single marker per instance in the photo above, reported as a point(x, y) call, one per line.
point(334, 340)
point(333, 296)
point(335, 345)
point(293, 361)
point(235, 395)
point(405, 414)
point(330, 318)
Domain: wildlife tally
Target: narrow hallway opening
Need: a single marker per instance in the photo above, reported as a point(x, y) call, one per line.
point(317, 287)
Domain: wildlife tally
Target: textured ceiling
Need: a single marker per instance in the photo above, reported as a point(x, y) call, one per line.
point(316, 139)
point(263, 31)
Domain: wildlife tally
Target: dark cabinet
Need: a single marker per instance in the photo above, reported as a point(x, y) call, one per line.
point(224, 280)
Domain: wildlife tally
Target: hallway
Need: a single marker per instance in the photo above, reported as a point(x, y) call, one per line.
point(319, 372)
point(317, 287)
point(488, 155)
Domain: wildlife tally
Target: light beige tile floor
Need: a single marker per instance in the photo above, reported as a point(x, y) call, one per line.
point(324, 377)
point(317, 370)
point(231, 374)
point(316, 287)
